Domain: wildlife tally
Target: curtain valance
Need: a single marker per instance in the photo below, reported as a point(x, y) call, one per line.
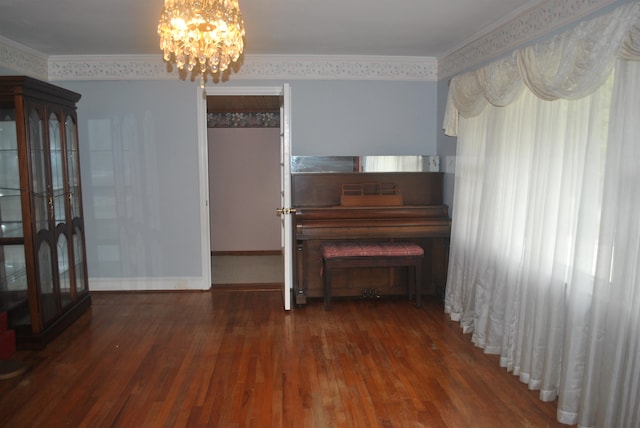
point(569, 66)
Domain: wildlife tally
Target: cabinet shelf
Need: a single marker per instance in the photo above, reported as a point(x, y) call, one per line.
point(11, 230)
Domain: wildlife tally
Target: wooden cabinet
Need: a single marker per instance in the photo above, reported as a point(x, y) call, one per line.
point(43, 275)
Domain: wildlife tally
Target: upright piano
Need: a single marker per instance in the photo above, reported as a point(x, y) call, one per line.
point(319, 216)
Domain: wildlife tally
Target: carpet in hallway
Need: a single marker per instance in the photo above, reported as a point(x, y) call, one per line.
point(258, 269)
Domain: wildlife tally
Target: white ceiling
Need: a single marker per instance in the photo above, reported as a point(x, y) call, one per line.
point(426, 28)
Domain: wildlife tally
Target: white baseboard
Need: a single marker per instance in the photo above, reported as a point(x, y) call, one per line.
point(147, 284)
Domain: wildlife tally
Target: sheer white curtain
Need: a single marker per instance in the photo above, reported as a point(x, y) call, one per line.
point(612, 374)
point(545, 244)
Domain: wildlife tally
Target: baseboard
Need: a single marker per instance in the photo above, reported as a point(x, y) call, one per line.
point(247, 253)
point(143, 284)
point(272, 286)
point(102, 285)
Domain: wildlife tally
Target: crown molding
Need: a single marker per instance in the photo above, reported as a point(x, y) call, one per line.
point(324, 67)
point(254, 67)
point(542, 19)
point(108, 67)
point(22, 60)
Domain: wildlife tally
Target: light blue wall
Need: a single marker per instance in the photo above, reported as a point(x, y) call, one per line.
point(139, 158)
point(332, 117)
point(139, 164)
point(363, 118)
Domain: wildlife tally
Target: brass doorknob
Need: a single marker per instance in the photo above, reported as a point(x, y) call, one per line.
point(285, 211)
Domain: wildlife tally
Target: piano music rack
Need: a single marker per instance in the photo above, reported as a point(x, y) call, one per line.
point(370, 195)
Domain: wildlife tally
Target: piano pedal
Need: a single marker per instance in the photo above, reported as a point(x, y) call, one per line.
point(370, 294)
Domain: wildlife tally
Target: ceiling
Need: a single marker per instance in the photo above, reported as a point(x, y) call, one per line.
point(426, 28)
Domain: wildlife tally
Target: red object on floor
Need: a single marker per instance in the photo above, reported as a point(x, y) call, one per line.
point(7, 338)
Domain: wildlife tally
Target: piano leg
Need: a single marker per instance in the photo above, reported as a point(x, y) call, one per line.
point(326, 279)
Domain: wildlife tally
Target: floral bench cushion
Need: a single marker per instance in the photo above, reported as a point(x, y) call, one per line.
point(370, 249)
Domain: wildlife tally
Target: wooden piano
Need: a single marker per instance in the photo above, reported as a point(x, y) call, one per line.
point(421, 218)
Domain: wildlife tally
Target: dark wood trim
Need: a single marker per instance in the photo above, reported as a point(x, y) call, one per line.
point(325, 189)
point(267, 286)
point(247, 253)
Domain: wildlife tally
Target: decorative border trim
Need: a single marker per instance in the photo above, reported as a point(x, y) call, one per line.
point(243, 120)
point(108, 67)
point(256, 67)
point(319, 67)
point(22, 59)
point(537, 21)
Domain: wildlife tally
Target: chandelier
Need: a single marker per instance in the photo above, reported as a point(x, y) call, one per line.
point(206, 35)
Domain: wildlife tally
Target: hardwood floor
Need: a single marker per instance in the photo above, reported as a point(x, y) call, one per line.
point(236, 359)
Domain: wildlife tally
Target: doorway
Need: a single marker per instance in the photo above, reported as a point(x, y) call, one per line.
point(283, 95)
point(243, 134)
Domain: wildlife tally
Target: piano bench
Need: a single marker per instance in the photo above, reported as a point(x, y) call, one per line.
point(352, 254)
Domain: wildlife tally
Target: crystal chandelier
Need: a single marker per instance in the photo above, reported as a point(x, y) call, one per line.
point(203, 34)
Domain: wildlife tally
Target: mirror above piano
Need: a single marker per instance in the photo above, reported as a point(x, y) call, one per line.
point(337, 164)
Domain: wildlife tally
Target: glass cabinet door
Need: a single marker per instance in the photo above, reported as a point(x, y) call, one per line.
point(13, 278)
point(10, 208)
point(57, 193)
point(73, 177)
point(42, 206)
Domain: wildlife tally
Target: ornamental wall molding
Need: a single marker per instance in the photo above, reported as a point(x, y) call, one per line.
point(544, 18)
point(22, 60)
point(251, 67)
point(518, 31)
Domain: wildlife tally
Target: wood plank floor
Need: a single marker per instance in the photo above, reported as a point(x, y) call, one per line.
point(236, 359)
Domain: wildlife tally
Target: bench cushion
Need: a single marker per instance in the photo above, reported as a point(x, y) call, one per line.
point(370, 249)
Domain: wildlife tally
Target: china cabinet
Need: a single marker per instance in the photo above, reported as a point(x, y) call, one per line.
point(43, 275)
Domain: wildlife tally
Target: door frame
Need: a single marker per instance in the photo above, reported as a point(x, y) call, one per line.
point(203, 159)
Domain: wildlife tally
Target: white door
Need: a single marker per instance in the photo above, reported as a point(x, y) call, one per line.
point(285, 211)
